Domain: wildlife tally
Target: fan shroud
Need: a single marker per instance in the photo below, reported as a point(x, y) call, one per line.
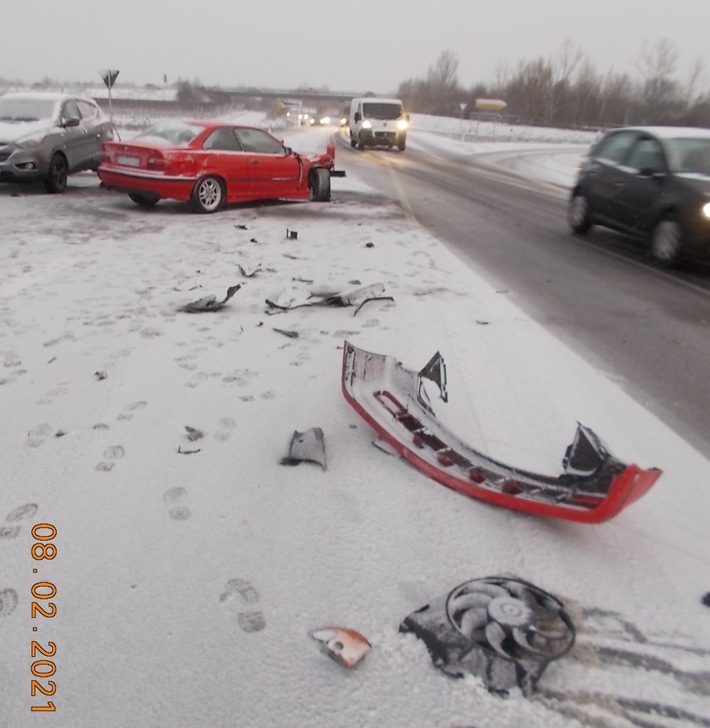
point(501, 629)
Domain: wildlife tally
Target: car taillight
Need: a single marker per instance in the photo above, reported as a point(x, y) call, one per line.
point(159, 163)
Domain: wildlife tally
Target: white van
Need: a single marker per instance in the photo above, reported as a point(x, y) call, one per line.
point(378, 123)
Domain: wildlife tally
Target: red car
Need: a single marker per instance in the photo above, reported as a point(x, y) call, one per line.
point(211, 163)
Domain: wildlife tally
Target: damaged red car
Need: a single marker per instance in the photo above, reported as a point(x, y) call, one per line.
point(210, 164)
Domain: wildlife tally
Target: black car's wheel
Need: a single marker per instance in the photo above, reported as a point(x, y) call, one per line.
point(666, 241)
point(578, 213)
point(144, 200)
point(57, 174)
point(208, 195)
point(401, 145)
point(320, 185)
point(353, 142)
point(360, 145)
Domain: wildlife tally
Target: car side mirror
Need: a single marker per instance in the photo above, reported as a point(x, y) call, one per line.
point(288, 151)
point(71, 121)
point(357, 117)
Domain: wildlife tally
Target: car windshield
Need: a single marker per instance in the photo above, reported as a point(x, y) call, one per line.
point(26, 109)
point(381, 111)
point(690, 156)
point(170, 134)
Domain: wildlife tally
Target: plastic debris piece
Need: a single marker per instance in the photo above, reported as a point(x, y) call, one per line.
point(308, 446)
point(290, 334)
point(352, 297)
point(210, 303)
point(187, 452)
point(503, 630)
point(241, 227)
point(382, 444)
point(249, 273)
point(100, 375)
point(435, 370)
point(291, 234)
point(346, 646)
point(193, 434)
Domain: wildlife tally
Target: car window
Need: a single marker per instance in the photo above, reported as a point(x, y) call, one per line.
point(168, 133)
point(88, 111)
point(254, 140)
point(690, 156)
point(615, 146)
point(223, 140)
point(70, 111)
point(647, 154)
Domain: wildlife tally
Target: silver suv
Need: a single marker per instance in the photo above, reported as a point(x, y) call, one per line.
point(48, 136)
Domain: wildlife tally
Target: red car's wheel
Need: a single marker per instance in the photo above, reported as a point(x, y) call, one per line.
point(320, 184)
point(208, 195)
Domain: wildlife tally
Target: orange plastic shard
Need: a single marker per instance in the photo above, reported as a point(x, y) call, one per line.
point(346, 646)
point(593, 487)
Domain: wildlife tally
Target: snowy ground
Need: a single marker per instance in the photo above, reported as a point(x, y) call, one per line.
point(187, 584)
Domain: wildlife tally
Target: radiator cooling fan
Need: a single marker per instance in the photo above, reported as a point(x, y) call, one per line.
point(503, 630)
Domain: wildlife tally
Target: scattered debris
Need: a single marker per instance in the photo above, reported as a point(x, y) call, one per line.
point(706, 600)
point(60, 433)
point(249, 274)
point(306, 446)
point(383, 445)
point(503, 630)
point(298, 279)
point(369, 245)
point(291, 234)
point(241, 227)
point(100, 375)
point(346, 646)
point(290, 334)
point(53, 359)
point(594, 487)
point(210, 303)
point(435, 370)
point(187, 452)
point(193, 434)
point(253, 240)
point(356, 296)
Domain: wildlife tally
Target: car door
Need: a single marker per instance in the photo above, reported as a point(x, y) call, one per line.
point(605, 175)
point(225, 156)
point(98, 130)
point(644, 173)
point(273, 172)
point(78, 144)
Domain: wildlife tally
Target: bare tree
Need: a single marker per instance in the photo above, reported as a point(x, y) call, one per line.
point(657, 65)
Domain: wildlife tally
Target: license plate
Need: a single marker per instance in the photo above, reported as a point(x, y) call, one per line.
point(128, 161)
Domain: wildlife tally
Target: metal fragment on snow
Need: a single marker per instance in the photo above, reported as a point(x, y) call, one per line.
point(346, 646)
point(210, 303)
point(308, 446)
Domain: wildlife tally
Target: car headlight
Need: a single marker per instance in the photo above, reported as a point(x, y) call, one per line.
point(367, 125)
point(706, 210)
point(30, 141)
point(402, 124)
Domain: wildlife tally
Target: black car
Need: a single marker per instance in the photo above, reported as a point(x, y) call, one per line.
point(652, 183)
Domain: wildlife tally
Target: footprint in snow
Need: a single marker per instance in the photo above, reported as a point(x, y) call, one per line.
point(246, 595)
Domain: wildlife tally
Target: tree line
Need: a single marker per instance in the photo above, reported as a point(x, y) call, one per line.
point(566, 90)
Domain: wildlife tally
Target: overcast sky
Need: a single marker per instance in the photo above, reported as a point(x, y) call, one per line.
point(345, 46)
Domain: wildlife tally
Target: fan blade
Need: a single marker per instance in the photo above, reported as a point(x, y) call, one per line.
point(468, 601)
point(492, 590)
point(472, 620)
point(520, 591)
point(521, 638)
point(495, 635)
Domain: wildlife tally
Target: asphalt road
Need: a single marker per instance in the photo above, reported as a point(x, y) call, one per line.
point(645, 328)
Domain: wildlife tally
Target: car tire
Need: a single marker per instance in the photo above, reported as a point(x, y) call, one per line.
point(320, 184)
point(208, 195)
point(402, 145)
point(353, 142)
point(666, 241)
point(56, 180)
point(144, 200)
point(578, 213)
point(360, 145)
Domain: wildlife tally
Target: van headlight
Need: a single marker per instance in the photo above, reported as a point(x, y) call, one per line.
point(706, 210)
point(402, 124)
point(367, 124)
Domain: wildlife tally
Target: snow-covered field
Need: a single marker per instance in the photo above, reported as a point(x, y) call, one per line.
point(189, 574)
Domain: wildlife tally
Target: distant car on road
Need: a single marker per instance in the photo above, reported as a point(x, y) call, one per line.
point(652, 183)
point(211, 163)
point(48, 136)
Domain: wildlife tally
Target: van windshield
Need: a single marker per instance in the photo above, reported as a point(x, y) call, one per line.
point(381, 111)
